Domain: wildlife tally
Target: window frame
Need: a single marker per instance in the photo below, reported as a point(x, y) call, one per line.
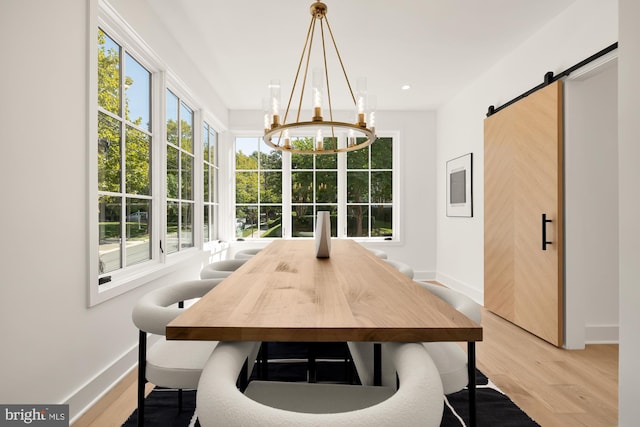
point(214, 191)
point(123, 193)
point(370, 204)
point(184, 100)
point(259, 170)
point(160, 264)
point(342, 193)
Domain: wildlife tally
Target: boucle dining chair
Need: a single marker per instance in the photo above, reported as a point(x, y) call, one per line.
point(417, 401)
point(378, 253)
point(247, 253)
point(403, 268)
point(221, 269)
point(171, 364)
point(449, 357)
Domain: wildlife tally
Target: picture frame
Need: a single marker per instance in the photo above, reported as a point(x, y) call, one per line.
point(460, 186)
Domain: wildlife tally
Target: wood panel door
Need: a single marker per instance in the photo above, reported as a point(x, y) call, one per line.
point(523, 277)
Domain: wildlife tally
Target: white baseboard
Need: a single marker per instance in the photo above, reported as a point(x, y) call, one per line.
point(90, 393)
point(450, 282)
point(424, 275)
point(601, 334)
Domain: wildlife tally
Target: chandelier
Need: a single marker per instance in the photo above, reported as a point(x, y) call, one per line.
point(355, 135)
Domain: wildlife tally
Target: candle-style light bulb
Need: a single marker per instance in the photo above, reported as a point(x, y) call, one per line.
point(361, 99)
point(317, 87)
point(287, 140)
point(317, 98)
point(274, 92)
point(266, 122)
point(372, 104)
point(351, 139)
point(360, 106)
point(266, 113)
point(319, 141)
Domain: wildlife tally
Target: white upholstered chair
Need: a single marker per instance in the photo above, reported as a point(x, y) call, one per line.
point(247, 253)
point(378, 253)
point(401, 267)
point(418, 401)
point(172, 364)
point(449, 357)
point(221, 269)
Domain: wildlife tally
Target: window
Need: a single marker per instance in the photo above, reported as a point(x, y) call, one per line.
point(210, 183)
point(155, 170)
point(370, 190)
point(314, 187)
point(180, 163)
point(124, 158)
point(258, 189)
point(355, 187)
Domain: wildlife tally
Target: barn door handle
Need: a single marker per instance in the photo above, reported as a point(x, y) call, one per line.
point(544, 232)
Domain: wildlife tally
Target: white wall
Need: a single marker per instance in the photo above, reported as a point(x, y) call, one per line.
point(591, 206)
point(417, 182)
point(54, 348)
point(584, 28)
point(629, 178)
point(141, 16)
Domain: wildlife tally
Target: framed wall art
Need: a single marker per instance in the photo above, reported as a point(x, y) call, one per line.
point(460, 186)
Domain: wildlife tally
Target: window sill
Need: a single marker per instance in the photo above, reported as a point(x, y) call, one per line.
point(122, 282)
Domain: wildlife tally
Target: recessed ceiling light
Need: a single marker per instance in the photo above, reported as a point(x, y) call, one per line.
point(405, 87)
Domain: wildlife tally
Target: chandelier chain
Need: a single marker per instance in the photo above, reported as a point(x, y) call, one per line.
point(344, 71)
point(326, 76)
point(295, 81)
point(306, 67)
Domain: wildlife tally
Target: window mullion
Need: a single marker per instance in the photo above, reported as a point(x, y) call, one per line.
point(158, 166)
point(286, 195)
point(123, 160)
point(179, 166)
point(197, 172)
point(342, 191)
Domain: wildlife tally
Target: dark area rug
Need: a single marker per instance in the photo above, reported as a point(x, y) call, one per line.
point(288, 362)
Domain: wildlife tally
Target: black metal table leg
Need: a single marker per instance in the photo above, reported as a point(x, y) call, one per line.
point(142, 377)
point(264, 361)
point(471, 364)
point(377, 364)
point(242, 380)
point(312, 354)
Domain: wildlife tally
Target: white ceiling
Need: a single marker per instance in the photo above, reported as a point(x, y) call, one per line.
point(436, 46)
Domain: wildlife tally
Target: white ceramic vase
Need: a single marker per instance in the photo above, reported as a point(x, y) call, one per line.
point(323, 234)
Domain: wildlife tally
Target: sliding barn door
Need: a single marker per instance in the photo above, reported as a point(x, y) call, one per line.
point(523, 275)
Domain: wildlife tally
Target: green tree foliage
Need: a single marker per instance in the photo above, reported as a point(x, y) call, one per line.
point(364, 187)
point(121, 147)
point(247, 182)
point(314, 186)
point(137, 149)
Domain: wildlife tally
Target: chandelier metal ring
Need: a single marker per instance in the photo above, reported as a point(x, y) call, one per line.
point(365, 132)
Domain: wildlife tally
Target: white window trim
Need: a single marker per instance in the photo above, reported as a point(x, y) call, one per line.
point(160, 264)
point(133, 276)
point(173, 84)
point(213, 124)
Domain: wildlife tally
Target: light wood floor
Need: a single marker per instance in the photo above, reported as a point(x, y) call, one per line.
point(555, 387)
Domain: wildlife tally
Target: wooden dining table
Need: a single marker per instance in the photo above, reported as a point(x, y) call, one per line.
point(285, 293)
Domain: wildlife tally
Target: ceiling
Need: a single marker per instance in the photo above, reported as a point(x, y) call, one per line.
point(435, 46)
